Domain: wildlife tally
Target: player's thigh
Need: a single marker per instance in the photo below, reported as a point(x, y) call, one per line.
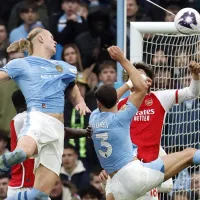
point(45, 179)
point(176, 162)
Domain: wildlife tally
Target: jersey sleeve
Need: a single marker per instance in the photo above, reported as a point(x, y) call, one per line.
point(121, 103)
point(14, 68)
point(170, 97)
point(125, 116)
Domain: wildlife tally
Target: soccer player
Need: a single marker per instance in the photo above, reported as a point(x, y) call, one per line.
point(22, 177)
point(131, 178)
point(42, 82)
point(147, 124)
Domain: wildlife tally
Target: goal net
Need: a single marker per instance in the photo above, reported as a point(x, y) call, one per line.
point(169, 54)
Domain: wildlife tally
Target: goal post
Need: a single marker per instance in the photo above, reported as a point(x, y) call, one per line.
point(169, 52)
point(139, 28)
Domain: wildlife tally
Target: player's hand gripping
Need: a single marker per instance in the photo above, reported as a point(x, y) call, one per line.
point(116, 53)
point(103, 176)
point(82, 108)
point(194, 67)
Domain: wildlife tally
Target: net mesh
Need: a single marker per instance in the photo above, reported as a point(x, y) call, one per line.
point(169, 55)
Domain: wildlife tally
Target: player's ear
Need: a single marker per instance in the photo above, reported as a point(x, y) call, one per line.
point(40, 39)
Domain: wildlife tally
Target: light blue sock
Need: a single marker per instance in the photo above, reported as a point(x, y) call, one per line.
point(196, 158)
point(32, 194)
point(12, 158)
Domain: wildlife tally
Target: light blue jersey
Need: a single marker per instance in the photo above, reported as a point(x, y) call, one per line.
point(41, 81)
point(111, 137)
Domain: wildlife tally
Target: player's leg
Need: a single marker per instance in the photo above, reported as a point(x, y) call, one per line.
point(176, 162)
point(26, 147)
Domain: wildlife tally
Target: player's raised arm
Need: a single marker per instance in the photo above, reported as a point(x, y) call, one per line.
point(140, 86)
point(4, 76)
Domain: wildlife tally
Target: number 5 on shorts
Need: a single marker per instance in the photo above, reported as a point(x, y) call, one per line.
point(103, 137)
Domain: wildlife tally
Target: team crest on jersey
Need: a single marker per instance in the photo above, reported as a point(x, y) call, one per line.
point(123, 107)
point(59, 68)
point(149, 102)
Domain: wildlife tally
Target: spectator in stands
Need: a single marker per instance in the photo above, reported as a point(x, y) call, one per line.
point(70, 24)
point(83, 10)
point(3, 186)
point(28, 13)
point(169, 17)
point(195, 185)
point(93, 44)
point(180, 195)
point(3, 142)
point(71, 55)
point(90, 193)
point(3, 44)
point(162, 78)
point(15, 19)
point(107, 72)
point(159, 58)
point(73, 169)
point(60, 192)
point(96, 182)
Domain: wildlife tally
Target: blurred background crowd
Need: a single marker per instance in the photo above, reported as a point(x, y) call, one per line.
point(84, 29)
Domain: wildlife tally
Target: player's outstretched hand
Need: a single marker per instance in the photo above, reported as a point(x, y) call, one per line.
point(82, 108)
point(116, 53)
point(103, 176)
point(88, 131)
point(194, 67)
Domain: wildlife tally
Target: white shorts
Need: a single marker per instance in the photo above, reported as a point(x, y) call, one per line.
point(134, 180)
point(48, 132)
point(151, 195)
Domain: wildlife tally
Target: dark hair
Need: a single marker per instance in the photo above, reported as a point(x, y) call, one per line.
point(3, 135)
point(106, 95)
point(19, 101)
point(91, 190)
point(148, 69)
point(106, 64)
point(69, 146)
point(25, 6)
point(4, 176)
point(76, 1)
point(95, 172)
point(2, 23)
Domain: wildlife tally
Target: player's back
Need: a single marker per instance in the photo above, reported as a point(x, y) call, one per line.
point(111, 137)
point(42, 81)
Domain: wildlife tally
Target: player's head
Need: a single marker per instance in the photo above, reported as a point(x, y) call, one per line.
point(106, 96)
point(145, 69)
point(38, 39)
point(19, 101)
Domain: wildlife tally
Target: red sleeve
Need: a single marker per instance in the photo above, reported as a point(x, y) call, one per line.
point(122, 102)
point(13, 135)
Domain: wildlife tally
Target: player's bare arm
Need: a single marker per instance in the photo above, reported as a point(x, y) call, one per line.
point(78, 101)
point(77, 133)
point(4, 76)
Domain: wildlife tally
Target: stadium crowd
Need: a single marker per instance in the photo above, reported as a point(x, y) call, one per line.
point(84, 29)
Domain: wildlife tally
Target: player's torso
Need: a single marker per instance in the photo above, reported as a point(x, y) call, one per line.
point(21, 174)
point(146, 128)
point(111, 140)
point(43, 81)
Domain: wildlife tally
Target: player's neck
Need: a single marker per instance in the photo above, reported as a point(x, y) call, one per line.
point(113, 109)
point(41, 53)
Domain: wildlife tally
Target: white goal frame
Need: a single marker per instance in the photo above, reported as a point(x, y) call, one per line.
point(136, 35)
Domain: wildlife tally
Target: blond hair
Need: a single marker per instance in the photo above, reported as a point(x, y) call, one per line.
point(24, 44)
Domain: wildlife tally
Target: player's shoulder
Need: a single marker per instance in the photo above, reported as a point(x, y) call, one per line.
point(16, 62)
